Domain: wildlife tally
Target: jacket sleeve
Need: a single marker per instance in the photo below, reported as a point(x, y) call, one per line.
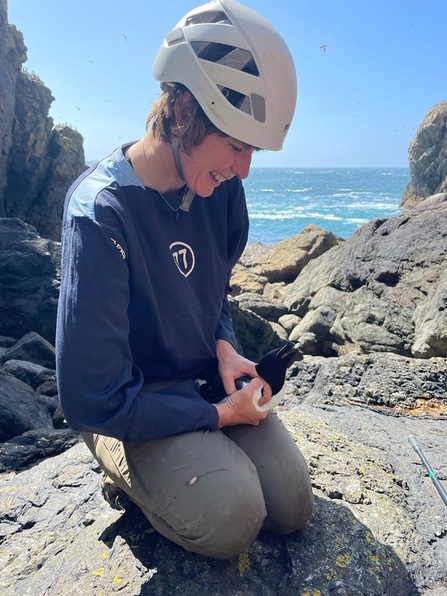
point(101, 390)
point(238, 226)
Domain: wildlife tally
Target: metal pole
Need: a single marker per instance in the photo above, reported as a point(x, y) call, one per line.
point(441, 490)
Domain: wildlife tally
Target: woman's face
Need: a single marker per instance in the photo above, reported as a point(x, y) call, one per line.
point(216, 159)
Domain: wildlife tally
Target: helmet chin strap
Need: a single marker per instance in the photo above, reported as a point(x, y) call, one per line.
point(189, 194)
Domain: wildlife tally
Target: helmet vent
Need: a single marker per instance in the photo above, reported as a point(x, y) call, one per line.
point(212, 16)
point(238, 100)
point(226, 55)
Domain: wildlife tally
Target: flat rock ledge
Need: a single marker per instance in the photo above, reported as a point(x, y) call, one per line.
point(378, 527)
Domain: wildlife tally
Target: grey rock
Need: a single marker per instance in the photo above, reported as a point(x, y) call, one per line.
point(254, 334)
point(7, 342)
point(12, 56)
point(382, 289)
point(35, 445)
point(389, 383)
point(377, 526)
point(262, 307)
point(19, 410)
point(32, 348)
point(29, 280)
point(292, 254)
point(25, 371)
point(50, 402)
point(39, 161)
point(288, 321)
point(428, 158)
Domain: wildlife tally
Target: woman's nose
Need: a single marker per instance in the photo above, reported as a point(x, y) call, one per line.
point(242, 164)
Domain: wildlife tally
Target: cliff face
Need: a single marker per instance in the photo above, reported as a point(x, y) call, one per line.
point(12, 56)
point(38, 161)
point(428, 158)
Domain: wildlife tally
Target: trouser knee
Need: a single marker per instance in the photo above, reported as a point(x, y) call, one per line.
point(229, 529)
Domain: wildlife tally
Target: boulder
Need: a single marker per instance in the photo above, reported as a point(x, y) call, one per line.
point(29, 280)
point(19, 409)
point(271, 311)
point(32, 348)
point(428, 158)
point(289, 257)
point(25, 371)
point(254, 334)
point(383, 289)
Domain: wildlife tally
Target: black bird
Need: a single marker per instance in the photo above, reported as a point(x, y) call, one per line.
point(272, 368)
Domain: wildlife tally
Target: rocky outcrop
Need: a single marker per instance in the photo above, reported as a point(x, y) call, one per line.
point(262, 266)
point(428, 158)
point(39, 161)
point(384, 289)
point(379, 525)
point(29, 280)
point(12, 56)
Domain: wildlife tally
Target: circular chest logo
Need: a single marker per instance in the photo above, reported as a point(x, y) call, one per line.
point(183, 256)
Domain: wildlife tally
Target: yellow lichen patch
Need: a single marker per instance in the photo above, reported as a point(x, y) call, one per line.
point(313, 593)
point(118, 580)
point(389, 564)
point(105, 555)
point(331, 574)
point(99, 571)
point(374, 558)
point(343, 561)
point(369, 537)
point(244, 563)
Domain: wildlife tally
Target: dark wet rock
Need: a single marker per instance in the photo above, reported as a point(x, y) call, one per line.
point(19, 410)
point(25, 371)
point(46, 383)
point(29, 280)
point(33, 348)
point(34, 445)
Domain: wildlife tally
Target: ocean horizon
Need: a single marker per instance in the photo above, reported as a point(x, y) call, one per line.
point(283, 201)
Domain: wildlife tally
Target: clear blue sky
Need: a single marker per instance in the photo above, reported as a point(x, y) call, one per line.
point(360, 102)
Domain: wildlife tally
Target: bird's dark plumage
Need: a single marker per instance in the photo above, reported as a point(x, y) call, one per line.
point(272, 368)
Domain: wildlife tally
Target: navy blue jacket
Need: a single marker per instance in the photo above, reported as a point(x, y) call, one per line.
point(143, 299)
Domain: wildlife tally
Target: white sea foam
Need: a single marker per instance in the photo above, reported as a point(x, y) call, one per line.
point(282, 201)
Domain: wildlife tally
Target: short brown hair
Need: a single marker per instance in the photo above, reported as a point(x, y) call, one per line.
point(164, 125)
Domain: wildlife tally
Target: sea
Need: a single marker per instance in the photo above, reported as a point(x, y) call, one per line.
point(283, 201)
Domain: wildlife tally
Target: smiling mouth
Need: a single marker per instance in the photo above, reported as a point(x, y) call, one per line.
point(215, 176)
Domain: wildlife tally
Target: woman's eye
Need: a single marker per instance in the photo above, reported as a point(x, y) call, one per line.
point(236, 148)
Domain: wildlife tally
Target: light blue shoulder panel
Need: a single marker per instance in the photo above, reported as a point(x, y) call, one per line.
point(113, 169)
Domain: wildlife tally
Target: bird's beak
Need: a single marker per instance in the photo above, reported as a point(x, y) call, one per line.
point(288, 350)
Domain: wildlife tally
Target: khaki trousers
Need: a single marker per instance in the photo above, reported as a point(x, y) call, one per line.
point(212, 491)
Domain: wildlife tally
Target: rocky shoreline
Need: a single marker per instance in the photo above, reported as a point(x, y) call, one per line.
point(370, 317)
point(379, 525)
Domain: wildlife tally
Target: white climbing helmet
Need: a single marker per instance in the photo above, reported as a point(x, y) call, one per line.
point(239, 69)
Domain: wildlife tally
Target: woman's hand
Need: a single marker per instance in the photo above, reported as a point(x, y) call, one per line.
point(240, 408)
point(232, 366)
